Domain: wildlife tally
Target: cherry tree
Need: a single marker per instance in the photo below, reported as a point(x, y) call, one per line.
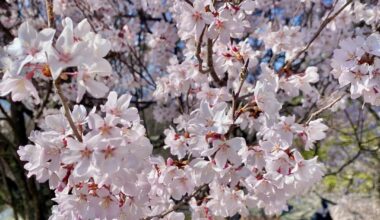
point(237, 86)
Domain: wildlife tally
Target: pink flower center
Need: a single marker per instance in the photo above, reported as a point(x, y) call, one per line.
point(32, 51)
point(197, 16)
point(86, 153)
point(65, 57)
point(219, 24)
point(29, 75)
point(108, 152)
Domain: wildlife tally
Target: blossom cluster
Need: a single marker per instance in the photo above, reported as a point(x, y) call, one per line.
point(357, 63)
point(270, 172)
point(32, 55)
point(103, 176)
point(218, 73)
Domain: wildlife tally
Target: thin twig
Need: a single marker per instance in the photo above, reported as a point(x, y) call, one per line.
point(66, 108)
point(7, 117)
point(44, 102)
point(57, 82)
point(184, 200)
point(315, 36)
point(138, 59)
point(341, 168)
point(235, 98)
point(319, 111)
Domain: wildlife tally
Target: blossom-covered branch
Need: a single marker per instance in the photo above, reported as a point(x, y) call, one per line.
point(200, 104)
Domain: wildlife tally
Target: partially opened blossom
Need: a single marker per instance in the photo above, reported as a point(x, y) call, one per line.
point(313, 132)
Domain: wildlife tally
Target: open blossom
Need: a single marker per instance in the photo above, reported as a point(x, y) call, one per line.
point(195, 17)
point(224, 26)
point(213, 95)
point(300, 82)
point(66, 52)
point(284, 130)
point(353, 64)
point(307, 170)
point(222, 195)
point(177, 143)
point(206, 110)
point(81, 154)
point(119, 107)
point(226, 151)
point(211, 119)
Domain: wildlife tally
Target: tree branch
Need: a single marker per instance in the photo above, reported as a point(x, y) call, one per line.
point(66, 108)
point(345, 164)
point(6, 116)
point(235, 98)
point(50, 13)
point(315, 36)
point(57, 82)
point(198, 52)
point(210, 63)
point(319, 111)
point(184, 200)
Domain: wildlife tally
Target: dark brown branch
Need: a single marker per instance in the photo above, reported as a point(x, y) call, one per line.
point(44, 102)
point(210, 63)
point(341, 168)
point(57, 82)
point(50, 13)
point(198, 52)
point(189, 2)
point(373, 113)
point(6, 116)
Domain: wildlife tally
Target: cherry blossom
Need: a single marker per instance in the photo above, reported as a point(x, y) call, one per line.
point(202, 105)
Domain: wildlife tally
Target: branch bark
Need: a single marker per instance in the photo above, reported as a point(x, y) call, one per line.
point(50, 13)
point(57, 82)
point(66, 108)
point(210, 63)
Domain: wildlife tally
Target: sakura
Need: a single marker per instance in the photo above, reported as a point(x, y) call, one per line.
point(169, 109)
point(30, 46)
